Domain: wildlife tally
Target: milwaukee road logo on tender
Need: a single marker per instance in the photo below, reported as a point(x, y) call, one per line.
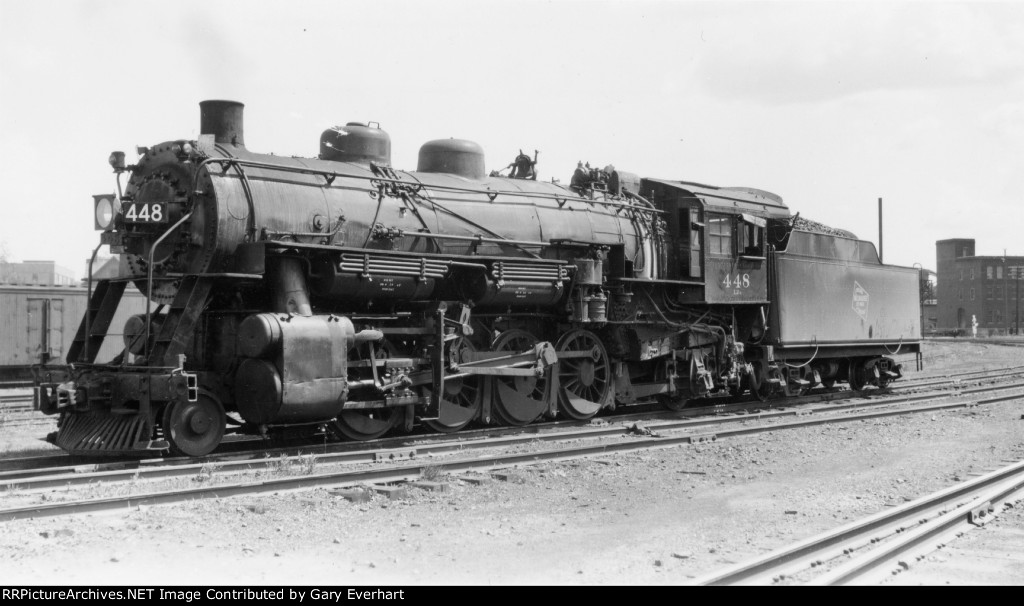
point(860, 300)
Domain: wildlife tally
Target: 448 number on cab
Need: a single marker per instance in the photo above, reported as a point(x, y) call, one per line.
point(737, 281)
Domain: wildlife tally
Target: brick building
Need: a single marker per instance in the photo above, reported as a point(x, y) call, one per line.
point(36, 273)
point(985, 289)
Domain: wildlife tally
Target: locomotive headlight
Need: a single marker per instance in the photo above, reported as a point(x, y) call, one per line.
point(106, 211)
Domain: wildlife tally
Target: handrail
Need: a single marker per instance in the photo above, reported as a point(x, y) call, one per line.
point(330, 176)
point(92, 260)
point(149, 278)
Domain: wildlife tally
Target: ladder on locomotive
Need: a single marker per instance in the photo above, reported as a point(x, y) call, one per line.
point(174, 332)
point(98, 315)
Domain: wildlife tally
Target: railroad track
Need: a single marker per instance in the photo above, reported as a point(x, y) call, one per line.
point(14, 401)
point(15, 384)
point(407, 465)
point(962, 376)
point(236, 450)
point(23, 402)
point(886, 542)
point(1007, 341)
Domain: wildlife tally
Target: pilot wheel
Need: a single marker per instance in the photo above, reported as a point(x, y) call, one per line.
point(194, 429)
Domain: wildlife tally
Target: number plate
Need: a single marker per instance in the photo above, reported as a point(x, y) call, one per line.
point(149, 212)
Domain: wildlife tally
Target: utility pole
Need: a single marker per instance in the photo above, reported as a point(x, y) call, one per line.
point(1006, 295)
point(921, 294)
point(880, 230)
point(1016, 315)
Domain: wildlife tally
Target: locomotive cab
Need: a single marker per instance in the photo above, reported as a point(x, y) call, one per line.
point(718, 240)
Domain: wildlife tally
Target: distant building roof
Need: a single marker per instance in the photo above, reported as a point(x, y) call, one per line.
point(37, 273)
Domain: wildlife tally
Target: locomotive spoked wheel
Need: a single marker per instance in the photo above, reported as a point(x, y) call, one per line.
point(584, 382)
point(194, 429)
point(369, 424)
point(519, 400)
point(462, 397)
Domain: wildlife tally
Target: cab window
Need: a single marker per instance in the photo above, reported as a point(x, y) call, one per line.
point(719, 229)
point(751, 236)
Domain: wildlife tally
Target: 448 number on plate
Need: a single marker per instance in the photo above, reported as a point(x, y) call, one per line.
point(148, 212)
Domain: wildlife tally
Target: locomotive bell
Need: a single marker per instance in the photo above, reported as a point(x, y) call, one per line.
point(453, 156)
point(356, 143)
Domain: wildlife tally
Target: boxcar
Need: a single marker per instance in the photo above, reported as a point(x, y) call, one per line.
point(38, 323)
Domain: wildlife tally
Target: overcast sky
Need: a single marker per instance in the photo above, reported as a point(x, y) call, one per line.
point(829, 104)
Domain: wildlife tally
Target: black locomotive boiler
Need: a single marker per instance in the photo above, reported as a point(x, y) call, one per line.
point(338, 293)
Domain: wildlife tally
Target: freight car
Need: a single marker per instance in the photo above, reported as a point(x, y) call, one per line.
point(340, 294)
point(37, 323)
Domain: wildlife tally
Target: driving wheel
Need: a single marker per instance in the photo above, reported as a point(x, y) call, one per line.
point(519, 400)
point(584, 380)
point(461, 397)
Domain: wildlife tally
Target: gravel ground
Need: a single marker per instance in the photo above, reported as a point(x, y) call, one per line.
point(655, 517)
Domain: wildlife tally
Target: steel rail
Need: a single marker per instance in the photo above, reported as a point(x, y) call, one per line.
point(979, 374)
point(12, 402)
point(26, 422)
point(17, 397)
point(119, 471)
point(399, 473)
point(24, 472)
point(849, 537)
point(927, 537)
point(412, 471)
point(16, 384)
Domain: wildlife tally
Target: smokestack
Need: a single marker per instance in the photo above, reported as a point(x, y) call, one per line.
point(223, 120)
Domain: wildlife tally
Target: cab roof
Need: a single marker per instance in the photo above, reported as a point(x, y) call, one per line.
point(730, 199)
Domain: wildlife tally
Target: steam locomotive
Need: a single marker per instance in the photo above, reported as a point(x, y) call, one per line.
point(339, 294)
